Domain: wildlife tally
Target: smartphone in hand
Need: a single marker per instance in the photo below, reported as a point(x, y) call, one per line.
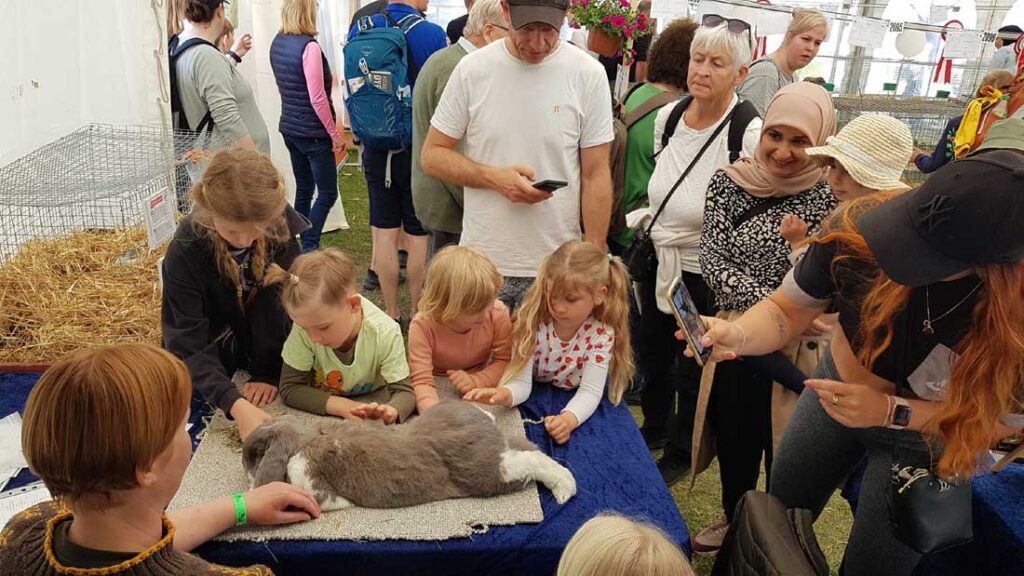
point(688, 319)
point(550, 185)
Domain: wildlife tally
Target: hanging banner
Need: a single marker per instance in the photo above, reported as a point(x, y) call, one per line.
point(944, 69)
point(761, 46)
point(1018, 48)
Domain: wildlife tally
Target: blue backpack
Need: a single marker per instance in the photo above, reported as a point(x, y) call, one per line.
point(378, 77)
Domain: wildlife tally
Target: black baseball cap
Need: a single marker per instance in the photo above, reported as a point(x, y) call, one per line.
point(967, 214)
point(550, 12)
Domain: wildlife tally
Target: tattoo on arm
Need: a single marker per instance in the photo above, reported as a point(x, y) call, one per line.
point(780, 324)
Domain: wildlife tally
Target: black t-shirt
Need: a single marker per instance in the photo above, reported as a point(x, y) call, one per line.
point(915, 360)
point(74, 556)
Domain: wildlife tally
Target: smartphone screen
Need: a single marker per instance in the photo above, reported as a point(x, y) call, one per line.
point(689, 317)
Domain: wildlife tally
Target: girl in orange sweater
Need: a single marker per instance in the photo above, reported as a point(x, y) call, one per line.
point(462, 330)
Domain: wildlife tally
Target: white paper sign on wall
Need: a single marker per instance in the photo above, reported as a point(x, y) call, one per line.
point(868, 32)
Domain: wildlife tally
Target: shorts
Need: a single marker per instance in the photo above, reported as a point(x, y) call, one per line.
point(391, 207)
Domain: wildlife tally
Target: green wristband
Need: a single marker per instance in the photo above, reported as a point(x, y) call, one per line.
point(241, 515)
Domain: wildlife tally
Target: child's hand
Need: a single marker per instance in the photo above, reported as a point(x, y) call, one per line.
point(374, 411)
point(561, 426)
point(500, 396)
point(259, 393)
point(242, 45)
point(793, 228)
point(462, 380)
point(280, 503)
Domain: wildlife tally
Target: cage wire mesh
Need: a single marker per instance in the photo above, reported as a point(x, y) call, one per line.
point(75, 265)
point(926, 117)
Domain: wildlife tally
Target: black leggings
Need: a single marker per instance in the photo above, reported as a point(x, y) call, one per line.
point(669, 373)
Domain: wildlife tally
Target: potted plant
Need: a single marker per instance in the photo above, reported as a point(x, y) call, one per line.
point(612, 25)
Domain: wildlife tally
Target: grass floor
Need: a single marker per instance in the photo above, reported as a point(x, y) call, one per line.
point(699, 506)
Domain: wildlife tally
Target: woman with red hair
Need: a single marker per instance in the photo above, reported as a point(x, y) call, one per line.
point(927, 366)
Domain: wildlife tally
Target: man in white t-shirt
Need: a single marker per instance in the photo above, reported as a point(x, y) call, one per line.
point(527, 109)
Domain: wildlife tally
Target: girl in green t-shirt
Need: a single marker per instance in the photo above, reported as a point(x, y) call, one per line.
point(341, 346)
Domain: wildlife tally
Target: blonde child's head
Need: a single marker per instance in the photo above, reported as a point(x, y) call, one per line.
point(461, 287)
point(227, 37)
point(578, 272)
point(108, 420)
point(240, 203)
point(612, 545)
point(319, 294)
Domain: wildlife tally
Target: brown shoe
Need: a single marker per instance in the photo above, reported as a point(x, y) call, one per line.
point(709, 540)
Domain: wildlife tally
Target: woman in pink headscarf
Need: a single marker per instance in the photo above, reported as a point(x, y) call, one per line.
point(744, 258)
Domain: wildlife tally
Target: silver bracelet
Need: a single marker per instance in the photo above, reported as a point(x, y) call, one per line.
point(744, 333)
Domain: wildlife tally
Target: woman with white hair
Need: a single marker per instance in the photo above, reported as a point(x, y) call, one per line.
point(691, 140)
point(806, 32)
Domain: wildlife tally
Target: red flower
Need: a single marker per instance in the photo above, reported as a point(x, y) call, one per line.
point(619, 21)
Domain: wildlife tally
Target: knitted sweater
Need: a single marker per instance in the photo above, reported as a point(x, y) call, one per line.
point(26, 549)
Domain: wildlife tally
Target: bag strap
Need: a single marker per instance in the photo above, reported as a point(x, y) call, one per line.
point(707, 143)
point(758, 209)
point(673, 121)
point(745, 114)
point(652, 104)
point(175, 48)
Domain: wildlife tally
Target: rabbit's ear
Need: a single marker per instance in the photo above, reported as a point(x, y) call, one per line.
point(273, 467)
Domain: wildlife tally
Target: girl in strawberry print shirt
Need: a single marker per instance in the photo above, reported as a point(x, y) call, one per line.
point(572, 331)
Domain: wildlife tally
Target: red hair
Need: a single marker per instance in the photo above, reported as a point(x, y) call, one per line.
point(985, 380)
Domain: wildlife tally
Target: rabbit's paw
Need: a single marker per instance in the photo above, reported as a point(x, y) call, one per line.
point(564, 487)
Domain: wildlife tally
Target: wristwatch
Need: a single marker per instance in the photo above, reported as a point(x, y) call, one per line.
point(900, 414)
point(235, 56)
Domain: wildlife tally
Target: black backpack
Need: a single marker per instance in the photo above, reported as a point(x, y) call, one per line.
point(178, 119)
point(742, 116)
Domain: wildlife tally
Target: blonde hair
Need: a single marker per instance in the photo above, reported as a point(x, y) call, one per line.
point(997, 79)
point(805, 20)
point(241, 185)
point(97, 416)
point(484, 12)
point(613, 545)
point(228, 30)
point(298, 17)
point(326, 276)
point(460, 280)
point(720, 39)
point(576, 266)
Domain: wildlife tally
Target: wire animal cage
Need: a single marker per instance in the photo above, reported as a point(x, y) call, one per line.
point(927, 118)
point(76, 267)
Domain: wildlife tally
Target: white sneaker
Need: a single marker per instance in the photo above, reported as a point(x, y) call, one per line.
point(709, 540)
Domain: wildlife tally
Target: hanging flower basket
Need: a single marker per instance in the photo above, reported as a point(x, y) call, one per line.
point(599, 41)
point(612, 25)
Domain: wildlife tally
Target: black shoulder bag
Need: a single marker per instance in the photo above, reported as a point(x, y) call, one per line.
point(640, 256)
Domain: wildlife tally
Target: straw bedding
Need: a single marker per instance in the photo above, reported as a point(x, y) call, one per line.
point(216, 470)
point(92, 288)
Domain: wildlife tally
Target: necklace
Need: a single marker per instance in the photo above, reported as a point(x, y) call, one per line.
point(927, 323)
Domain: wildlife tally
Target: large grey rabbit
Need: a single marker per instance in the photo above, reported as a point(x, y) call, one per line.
point(452, 451)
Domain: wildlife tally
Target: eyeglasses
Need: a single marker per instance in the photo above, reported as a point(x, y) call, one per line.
point(498, 26)
point(735, 25)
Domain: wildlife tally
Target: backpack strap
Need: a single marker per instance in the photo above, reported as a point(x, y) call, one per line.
point(652, 104)
point(409, 22)
point(175, 48)
point(673, 121)
point(744, 114)
point(757, 210)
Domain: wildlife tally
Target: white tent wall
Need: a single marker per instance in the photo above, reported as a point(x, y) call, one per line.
point(67, 63)
point(262, 19)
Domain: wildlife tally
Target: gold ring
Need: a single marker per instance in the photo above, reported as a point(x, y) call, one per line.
point(835, 399)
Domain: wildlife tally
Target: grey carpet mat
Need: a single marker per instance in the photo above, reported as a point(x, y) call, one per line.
point(216, 470)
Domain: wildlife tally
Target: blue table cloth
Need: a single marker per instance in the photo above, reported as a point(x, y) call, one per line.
point(613, 470)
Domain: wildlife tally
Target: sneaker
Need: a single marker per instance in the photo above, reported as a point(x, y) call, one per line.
point(370, 281)
point(709, 540)
point(672, 469)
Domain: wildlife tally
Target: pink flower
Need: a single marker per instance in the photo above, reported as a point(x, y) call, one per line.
point(607, 19)
point(619, 21)
point(624, 3)
point(628, 33)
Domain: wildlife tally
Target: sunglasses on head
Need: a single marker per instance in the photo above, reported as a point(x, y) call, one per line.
point(735, 25)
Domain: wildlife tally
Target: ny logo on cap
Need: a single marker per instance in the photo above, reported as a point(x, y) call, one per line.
point(936, 212)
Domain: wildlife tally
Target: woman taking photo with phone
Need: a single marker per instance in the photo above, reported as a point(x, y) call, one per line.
point(925, 368)
point(744, 258)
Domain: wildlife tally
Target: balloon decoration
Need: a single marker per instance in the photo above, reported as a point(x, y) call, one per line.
point(944, 69)
point(910, 43)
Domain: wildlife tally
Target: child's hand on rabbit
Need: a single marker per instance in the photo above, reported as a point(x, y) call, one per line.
point(561, 426)
point(373, 411)
point(793, 229)
point(280, 503)
point(462, 380)
point(500, 396)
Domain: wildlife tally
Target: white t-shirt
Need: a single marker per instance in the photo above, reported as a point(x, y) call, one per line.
point(507, 112)
point(678, 229)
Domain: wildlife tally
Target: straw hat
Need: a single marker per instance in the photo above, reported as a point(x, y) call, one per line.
point(873, 148)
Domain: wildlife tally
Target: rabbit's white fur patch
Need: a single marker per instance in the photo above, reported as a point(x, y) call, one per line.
point(535, 465)
point(298, 475)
